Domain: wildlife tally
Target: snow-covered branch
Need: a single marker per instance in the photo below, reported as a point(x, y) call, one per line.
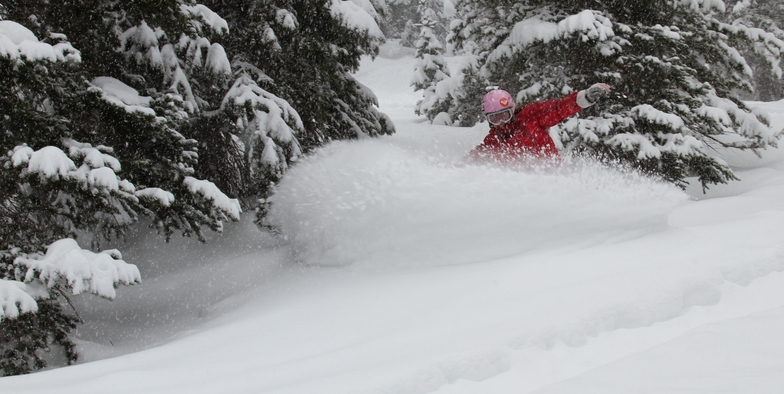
point(81, 270)
point(14, 299)
point(356, 17)
point(591, 26)
point(19, 43)
point(266, 118)
point(97, 171)
point(210, 192)
point(213, 20)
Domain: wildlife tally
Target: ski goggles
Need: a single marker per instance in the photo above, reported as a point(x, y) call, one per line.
point(499, 117)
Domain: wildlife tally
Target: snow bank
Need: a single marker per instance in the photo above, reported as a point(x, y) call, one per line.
point(390, 207)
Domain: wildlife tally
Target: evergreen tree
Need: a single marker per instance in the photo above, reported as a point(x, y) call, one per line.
point(431, 68)
point(159, 53)
point(298, 55)
point(401, 21)
point(675, 67)
point(769, 16)
point(90, 142)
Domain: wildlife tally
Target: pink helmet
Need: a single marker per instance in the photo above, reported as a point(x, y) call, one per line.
point(497, 100)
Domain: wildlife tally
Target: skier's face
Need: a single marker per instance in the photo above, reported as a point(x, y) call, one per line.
point(499, 117)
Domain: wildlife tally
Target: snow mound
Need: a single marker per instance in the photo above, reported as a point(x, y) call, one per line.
point(371, 204)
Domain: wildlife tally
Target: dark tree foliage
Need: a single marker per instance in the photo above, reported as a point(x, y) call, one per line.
point(401, 21)
point(24, 339)
point(152, 153)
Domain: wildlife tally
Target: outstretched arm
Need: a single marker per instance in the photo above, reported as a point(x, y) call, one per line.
point(550, 113)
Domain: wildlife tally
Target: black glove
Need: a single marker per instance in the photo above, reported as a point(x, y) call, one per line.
point(596, 92)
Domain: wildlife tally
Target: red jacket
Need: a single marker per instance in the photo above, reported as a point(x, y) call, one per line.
point(527, 134)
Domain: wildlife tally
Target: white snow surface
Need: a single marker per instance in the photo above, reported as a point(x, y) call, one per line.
point(400, 269)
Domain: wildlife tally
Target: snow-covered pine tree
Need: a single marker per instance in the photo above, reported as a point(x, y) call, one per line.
point(250, 139)
point(153, 54)
point(401, 21)
point(90, 142)
point(378, 9)
point(51, 187)
point(430, 68)
point(297, 56)
point(264, 129)
point(674, 65)
point(769, 16)
point(308, 49)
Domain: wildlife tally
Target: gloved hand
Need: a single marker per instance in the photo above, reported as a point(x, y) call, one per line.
point(596, 92)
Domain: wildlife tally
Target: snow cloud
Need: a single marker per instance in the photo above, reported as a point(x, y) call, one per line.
point(385, 207)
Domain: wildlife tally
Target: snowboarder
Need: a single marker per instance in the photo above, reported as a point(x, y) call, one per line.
point(522, 131)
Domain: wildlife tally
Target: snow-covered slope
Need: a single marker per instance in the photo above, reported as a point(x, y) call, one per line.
point(403, 270)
